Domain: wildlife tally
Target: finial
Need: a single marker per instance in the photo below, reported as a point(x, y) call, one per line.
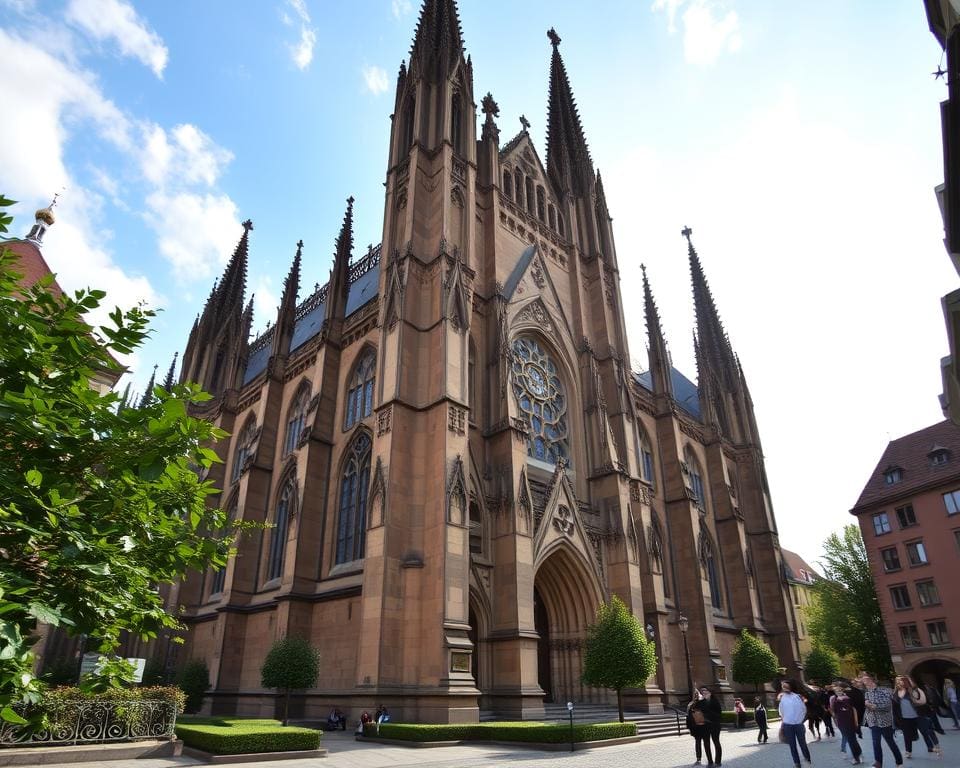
point(489, 106)
point(247, 225)
point(524, 122)
point(554, 37)
point(686, 232)
point(299, 247)
point(643, 269)
point(350, 201)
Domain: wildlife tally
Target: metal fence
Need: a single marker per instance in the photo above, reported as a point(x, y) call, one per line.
point(89, 722)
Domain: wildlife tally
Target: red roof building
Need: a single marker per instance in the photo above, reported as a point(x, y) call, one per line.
point(909, 515)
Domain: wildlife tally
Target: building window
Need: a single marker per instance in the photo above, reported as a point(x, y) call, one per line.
point(409, 115)
point(891, 559)
point(352, 519)
point(647, 465)
point(531, 197)
point(906, 516)
point(696, 480)
point(507, 183)
point(939, 457)
point(893, 476)
point(927, 593)
point(295, 421)
point(552, 216)
point(938, 633)
point(910, 636)
point(518, 188)
point(360, 391)
point(476, 528)
point(281, 527)
point(456, 124)
point(900, 597)
point(881, 524)
point(244, 449)
point(952, 502)
point(916, 553)
point(542, 400)
point(541, 204)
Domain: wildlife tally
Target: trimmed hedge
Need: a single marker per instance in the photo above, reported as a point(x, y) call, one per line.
point(528, 732)
point(235, 736)
point(728, 716)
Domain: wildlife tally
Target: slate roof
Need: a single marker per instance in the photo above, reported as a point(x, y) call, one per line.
point(684, 391)
point(911, 454)
point(365, 278)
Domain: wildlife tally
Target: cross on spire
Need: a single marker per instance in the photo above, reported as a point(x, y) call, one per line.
point(554, 37)
point(299, 246)
point(686, 232)
point(247, 225)
point(524, 122)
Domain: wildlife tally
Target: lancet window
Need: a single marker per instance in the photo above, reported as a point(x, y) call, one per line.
point(281, 527)
point(360, 390)
point(541, 399)
point(296, 420)
point(244, 448)
point(352, 517)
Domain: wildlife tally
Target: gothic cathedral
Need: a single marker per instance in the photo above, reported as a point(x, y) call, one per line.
point(455, 459)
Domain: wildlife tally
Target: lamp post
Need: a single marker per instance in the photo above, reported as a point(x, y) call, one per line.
point(570, 710)
point(684, 623)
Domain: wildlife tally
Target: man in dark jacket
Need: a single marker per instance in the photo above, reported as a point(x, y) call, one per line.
point(856, 696)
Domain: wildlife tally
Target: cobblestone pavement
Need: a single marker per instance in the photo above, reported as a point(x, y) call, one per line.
point(740, 750)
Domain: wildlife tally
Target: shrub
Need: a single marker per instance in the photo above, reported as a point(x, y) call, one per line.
point(194, 679)
point(236, 737)
point(56, 704)
point(536, 733)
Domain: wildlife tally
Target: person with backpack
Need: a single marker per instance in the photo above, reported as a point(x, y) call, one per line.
point(845, 714)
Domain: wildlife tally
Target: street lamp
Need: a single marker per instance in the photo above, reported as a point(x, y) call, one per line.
point(684, 623)
point(650, 632)
point(570, 710)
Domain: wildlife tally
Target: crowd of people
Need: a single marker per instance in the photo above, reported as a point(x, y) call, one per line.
point(847, 707)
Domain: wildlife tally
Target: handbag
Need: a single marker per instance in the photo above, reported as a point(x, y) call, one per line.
point(698, 717)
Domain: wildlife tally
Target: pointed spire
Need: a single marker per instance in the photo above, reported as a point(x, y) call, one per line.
point(168, 379)
point(124, 399)
point(438, 41)
point(658, 356)
point(717, 351)
point(148, 392)
point(287, 312)
point(568, 158)
point(234, 282)
point(345, 238)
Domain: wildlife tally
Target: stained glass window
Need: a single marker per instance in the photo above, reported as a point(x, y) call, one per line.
point(360, 392)
point(352, 523)
point(541, 399)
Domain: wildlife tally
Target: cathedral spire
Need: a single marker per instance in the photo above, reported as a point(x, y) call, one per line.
point(287, 313)
point(148, 392)
point(658, 356)
point(438, 41)
point(717, 351)
point(168, 379)
point(233, 284)
point(568, 158)
point(339, 285)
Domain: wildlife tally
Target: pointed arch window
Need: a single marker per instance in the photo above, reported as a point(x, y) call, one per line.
point(541, 204)
point(518, 187)
point(560, 223)
point(456, 123)
point(472, 380)
point(476, 528)
point(296, 420)
point(713, 577)
point(508, 183)
point(218, 578)
point(281, 529)
point(696, 479)
point(542, 400)
point(244, 448)
point(645, 455)
point(552, 216)
point(352, 517)
point(656, 546)
point(531, 197)
point(409, 113)
point(360, 390)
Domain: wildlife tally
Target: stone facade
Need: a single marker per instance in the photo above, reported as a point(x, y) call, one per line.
point(456, 459)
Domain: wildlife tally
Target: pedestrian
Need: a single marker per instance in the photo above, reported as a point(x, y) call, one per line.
point(856, 696)
point(739, 713)
point(760, 718)
point(712, 720)
point(814, 713)
point(950, 700)
point(934, 702)
point(878, 702)
point(843, 711)
point(914, 716)
point(696, 724)
point(823, 698)
point(793, 710)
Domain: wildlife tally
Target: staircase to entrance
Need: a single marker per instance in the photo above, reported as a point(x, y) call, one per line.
point(648, 726)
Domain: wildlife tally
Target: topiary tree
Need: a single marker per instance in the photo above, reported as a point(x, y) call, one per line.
point(618, 654)
point(291, 664)
point(752, 662)
point(821, 665)
point(194, 680)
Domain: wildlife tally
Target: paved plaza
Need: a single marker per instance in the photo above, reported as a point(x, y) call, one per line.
point(740, 750)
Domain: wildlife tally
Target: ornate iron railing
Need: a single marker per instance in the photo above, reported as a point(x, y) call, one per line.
point(86, 722)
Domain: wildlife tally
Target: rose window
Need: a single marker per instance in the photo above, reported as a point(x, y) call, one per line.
point(540, 396)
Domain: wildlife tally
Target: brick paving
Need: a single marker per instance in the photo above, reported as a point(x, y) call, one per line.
point(740, 750)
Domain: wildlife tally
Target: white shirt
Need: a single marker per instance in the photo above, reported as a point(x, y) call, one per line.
point(792, 709)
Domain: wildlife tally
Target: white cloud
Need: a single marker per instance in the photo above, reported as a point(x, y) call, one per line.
point(709, 28)
point(265, 302)
point(375, 80)
point(118, 21)
point(183, 156)
point(196, 233)
point(401, 7)
point(302, 51)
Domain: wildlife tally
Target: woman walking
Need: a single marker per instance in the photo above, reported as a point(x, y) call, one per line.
point(913, 715)
point(845, 714)
point(814, 713)
point(792, 712)
point(709, 707)
point(697, 725)
point(760, 717)
point(950, 699)
point(879, 719)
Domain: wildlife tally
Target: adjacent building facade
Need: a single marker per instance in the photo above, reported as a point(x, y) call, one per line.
point(800, 577)
point(455, 460)
point(909, 514)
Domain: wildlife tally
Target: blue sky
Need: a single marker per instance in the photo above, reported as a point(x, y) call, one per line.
point(800, 141)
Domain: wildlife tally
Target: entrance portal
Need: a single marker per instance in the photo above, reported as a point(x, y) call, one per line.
point(565, 600)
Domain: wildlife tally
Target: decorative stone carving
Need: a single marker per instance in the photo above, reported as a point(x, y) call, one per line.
point(456, 419)
point(457, 494)
point(536, 272)
point(383, 420)
point(563, 520)
point(536, 313)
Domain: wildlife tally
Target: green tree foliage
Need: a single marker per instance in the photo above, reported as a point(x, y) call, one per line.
point(292, 664)
point(96, 507)
point(194, 680)
point(845, 614)
point(821, 665)
point(752, 661)
point(618, 654)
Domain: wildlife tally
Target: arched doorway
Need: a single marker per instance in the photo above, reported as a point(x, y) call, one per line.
point(565, 600)
point(935, 671)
